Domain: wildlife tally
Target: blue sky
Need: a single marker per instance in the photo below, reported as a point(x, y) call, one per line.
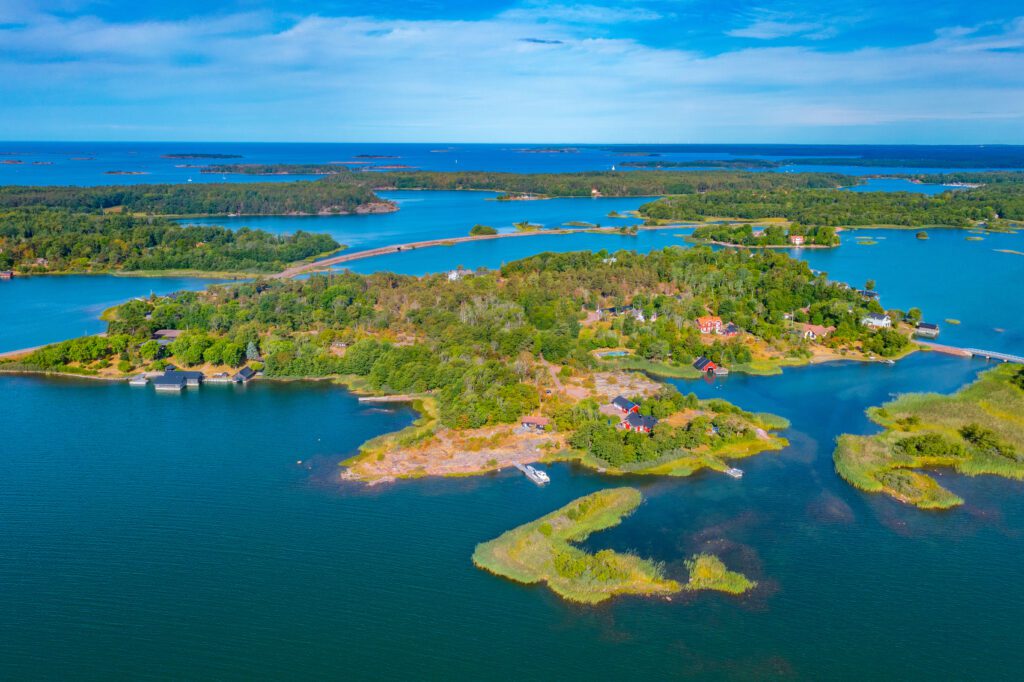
point(867, 71)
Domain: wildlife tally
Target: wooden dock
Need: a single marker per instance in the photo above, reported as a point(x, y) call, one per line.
point(973, 352)
point(387, 398)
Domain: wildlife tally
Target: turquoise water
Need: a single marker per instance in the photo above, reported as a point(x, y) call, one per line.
point(38, 310)
point(947, 276)
point(147, 536)
point(432, 215)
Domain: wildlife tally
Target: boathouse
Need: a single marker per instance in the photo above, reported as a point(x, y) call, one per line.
point(6, 274)
point(171, 381)
point(703, 364)
point(625, 406)
point(640, 423)
point(191, 379)
point(927, 330)
point(244, 375)
point(709, 324)
point(796, 239)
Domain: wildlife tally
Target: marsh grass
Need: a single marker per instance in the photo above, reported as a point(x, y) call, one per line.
point(881, 463)
point(543, 551)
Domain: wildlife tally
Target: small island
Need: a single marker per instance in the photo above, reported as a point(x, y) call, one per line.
point(977, 430)
point(543, 551)
point(707, 572)
point(772, 236)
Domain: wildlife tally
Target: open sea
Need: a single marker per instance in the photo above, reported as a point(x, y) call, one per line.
point(207, 535)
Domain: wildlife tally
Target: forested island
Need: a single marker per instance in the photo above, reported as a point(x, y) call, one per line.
point(545, 551)
point(767, 236)
point(202, 199)
point(584, 184)
point(485, 350)
point(41, 241)
point(977, 430)
point(986, 206)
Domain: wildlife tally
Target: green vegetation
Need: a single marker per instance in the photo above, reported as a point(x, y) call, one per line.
point(978, 430)
point(963, 208)
point(482, 230)
point(692, 435)
point(922, 235)
point(481, 345)
point(41, 240)
point(542, 551)
point(707, 572)
point(268, 198)
point(772, 235)
point(618, 184)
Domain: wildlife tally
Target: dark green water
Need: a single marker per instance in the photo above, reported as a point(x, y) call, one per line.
point(146, 536)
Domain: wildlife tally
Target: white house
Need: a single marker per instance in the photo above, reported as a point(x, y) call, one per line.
point(877, 321)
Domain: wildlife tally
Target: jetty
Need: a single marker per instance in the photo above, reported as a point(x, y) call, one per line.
point(536, 475)
point(386, 398)
point(734, 472)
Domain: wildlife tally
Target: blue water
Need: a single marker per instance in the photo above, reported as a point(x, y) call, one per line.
point(153, 536)
point(38, 310)
point(899, 185)
point(946, 276)
point(431, 215)
point(146, 157)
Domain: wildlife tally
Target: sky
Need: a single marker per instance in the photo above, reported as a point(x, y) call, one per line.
point(632, 71)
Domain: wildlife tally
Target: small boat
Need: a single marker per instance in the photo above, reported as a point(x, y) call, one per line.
point(138, 380)
point(536, 475)
point(734, 472)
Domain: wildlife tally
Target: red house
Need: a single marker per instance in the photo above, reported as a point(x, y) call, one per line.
point(640, 423)
point(625, 406)
point(796, 239)
point(703, 364)
point(709, 324)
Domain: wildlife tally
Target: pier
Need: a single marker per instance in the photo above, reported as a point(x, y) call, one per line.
point(387, 398)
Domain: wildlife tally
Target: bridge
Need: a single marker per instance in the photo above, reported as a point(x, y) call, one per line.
point(995, 355)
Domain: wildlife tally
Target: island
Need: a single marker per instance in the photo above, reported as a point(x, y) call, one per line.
point(545, 551)
point(996, 206)
point(46, 241)
point(543, 359)
point(977, 430)
point(772, 236)
point(200, 155)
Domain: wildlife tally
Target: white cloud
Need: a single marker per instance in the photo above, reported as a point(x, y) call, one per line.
point(507, 78)
point(766, 29)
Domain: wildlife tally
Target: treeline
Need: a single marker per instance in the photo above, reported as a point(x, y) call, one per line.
point(962, 208)
point(772, 235)
point(617, 184)
point(970, 178)
point(480, 344)
point(276, 169)
point(269, 198)
point(42, 240)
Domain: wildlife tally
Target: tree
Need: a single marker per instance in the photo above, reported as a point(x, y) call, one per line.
point(482, 230)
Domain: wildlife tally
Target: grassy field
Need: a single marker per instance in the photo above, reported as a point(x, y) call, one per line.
point(542, 551)
point(707, 572)
point(977, 430)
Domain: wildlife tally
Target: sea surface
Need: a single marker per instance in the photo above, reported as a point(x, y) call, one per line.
point(44, 309)
point(206, 535)
point(435, 214)
point(102, 163)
